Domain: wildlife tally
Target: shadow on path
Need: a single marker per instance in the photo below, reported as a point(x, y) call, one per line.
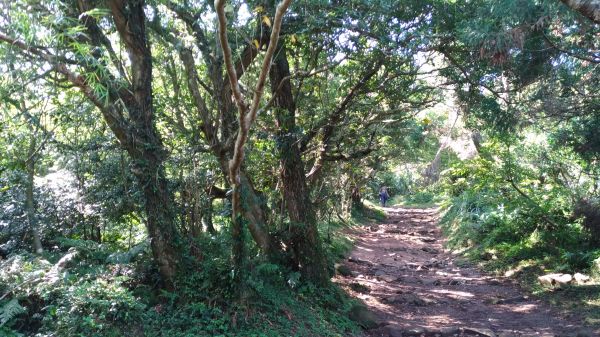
point(402, 273)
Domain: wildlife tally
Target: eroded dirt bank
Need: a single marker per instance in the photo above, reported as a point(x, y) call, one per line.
point(401, 271)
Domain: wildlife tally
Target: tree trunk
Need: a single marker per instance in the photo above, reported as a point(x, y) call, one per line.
point(303, 234)
point(140, 138)
point(191, 207)
point(149, 172)
point(253, 212)
point(356, 197)
point(220, 131)
point(207, 214)
point(30, 201)
point(432, 171)
point(588, 8)
point(94, 228)
point(128, 111)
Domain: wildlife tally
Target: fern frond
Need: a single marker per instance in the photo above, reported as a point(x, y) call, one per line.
point(10, 310)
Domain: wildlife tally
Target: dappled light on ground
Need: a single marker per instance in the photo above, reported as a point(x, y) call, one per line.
point(402, 273)
point(454, 294)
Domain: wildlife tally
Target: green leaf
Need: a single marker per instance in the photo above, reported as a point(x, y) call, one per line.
point(10, 310)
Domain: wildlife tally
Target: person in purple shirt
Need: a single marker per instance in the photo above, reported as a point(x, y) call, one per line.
point(383, 195)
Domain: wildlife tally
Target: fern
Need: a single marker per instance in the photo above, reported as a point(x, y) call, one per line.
point(10, 310)
point(129, 255)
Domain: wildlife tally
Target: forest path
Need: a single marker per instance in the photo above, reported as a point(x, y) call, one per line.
point(400, 270)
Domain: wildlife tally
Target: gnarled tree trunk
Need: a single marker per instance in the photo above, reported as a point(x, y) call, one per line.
point(303, 234)
point(141, 139)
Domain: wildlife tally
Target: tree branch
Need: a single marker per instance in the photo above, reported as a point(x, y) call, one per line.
point(588, 8)
point(247, 114)
point(535, 204)
point(333, 119)
point(570, 53)
point(100, 38)
point(113, 120)
point(462, 69)
point(299, 74)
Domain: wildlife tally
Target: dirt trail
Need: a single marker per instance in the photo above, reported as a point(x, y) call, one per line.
point(401, 271)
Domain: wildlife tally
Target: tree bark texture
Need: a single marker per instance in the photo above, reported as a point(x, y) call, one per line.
point(253, 212)
point(304, 238)
point(141, 139)
point(161, 229)
point(220, 134)
point(355, 196)
point(588, 8)
point(29, 197)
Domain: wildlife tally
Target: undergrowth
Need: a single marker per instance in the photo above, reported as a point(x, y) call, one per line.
point(428, 197)
point(91, 295)
point(367, 211)
point(520, 228)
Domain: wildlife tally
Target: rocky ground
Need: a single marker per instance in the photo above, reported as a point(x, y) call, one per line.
point(414, 288)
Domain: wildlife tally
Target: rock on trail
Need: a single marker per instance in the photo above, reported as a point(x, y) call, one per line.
point(399, 269)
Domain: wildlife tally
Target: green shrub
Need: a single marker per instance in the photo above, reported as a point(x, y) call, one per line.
point(97, 307)
point(516, 218)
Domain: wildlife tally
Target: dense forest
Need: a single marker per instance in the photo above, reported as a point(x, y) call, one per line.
point(190, 168)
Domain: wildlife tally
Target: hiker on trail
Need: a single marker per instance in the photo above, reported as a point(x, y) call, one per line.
point(383, 195)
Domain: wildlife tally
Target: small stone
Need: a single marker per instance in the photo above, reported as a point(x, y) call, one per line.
point(546, 280)
point(487, 256)
point(507, 334)
point(363, 317)
point(564, 278)
point(430, 282)
point(388, 278)
point(379, 272)
point(480, 332)
point(428, 240)
point(511, 300)
point(360, 288)
point(455, 282)
point(585, 333)
point(435, 263)
point(343, 270)
point(430, 250)
point(393, 299)
point(414, 331)
point(357, 260)
point(392, 331)
point(449, 331)
point(492, 300)
point(580, 278)
point(432, 332)
point(494, 282)
point(409, 299)
point(398, 249)
point(555, 279)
